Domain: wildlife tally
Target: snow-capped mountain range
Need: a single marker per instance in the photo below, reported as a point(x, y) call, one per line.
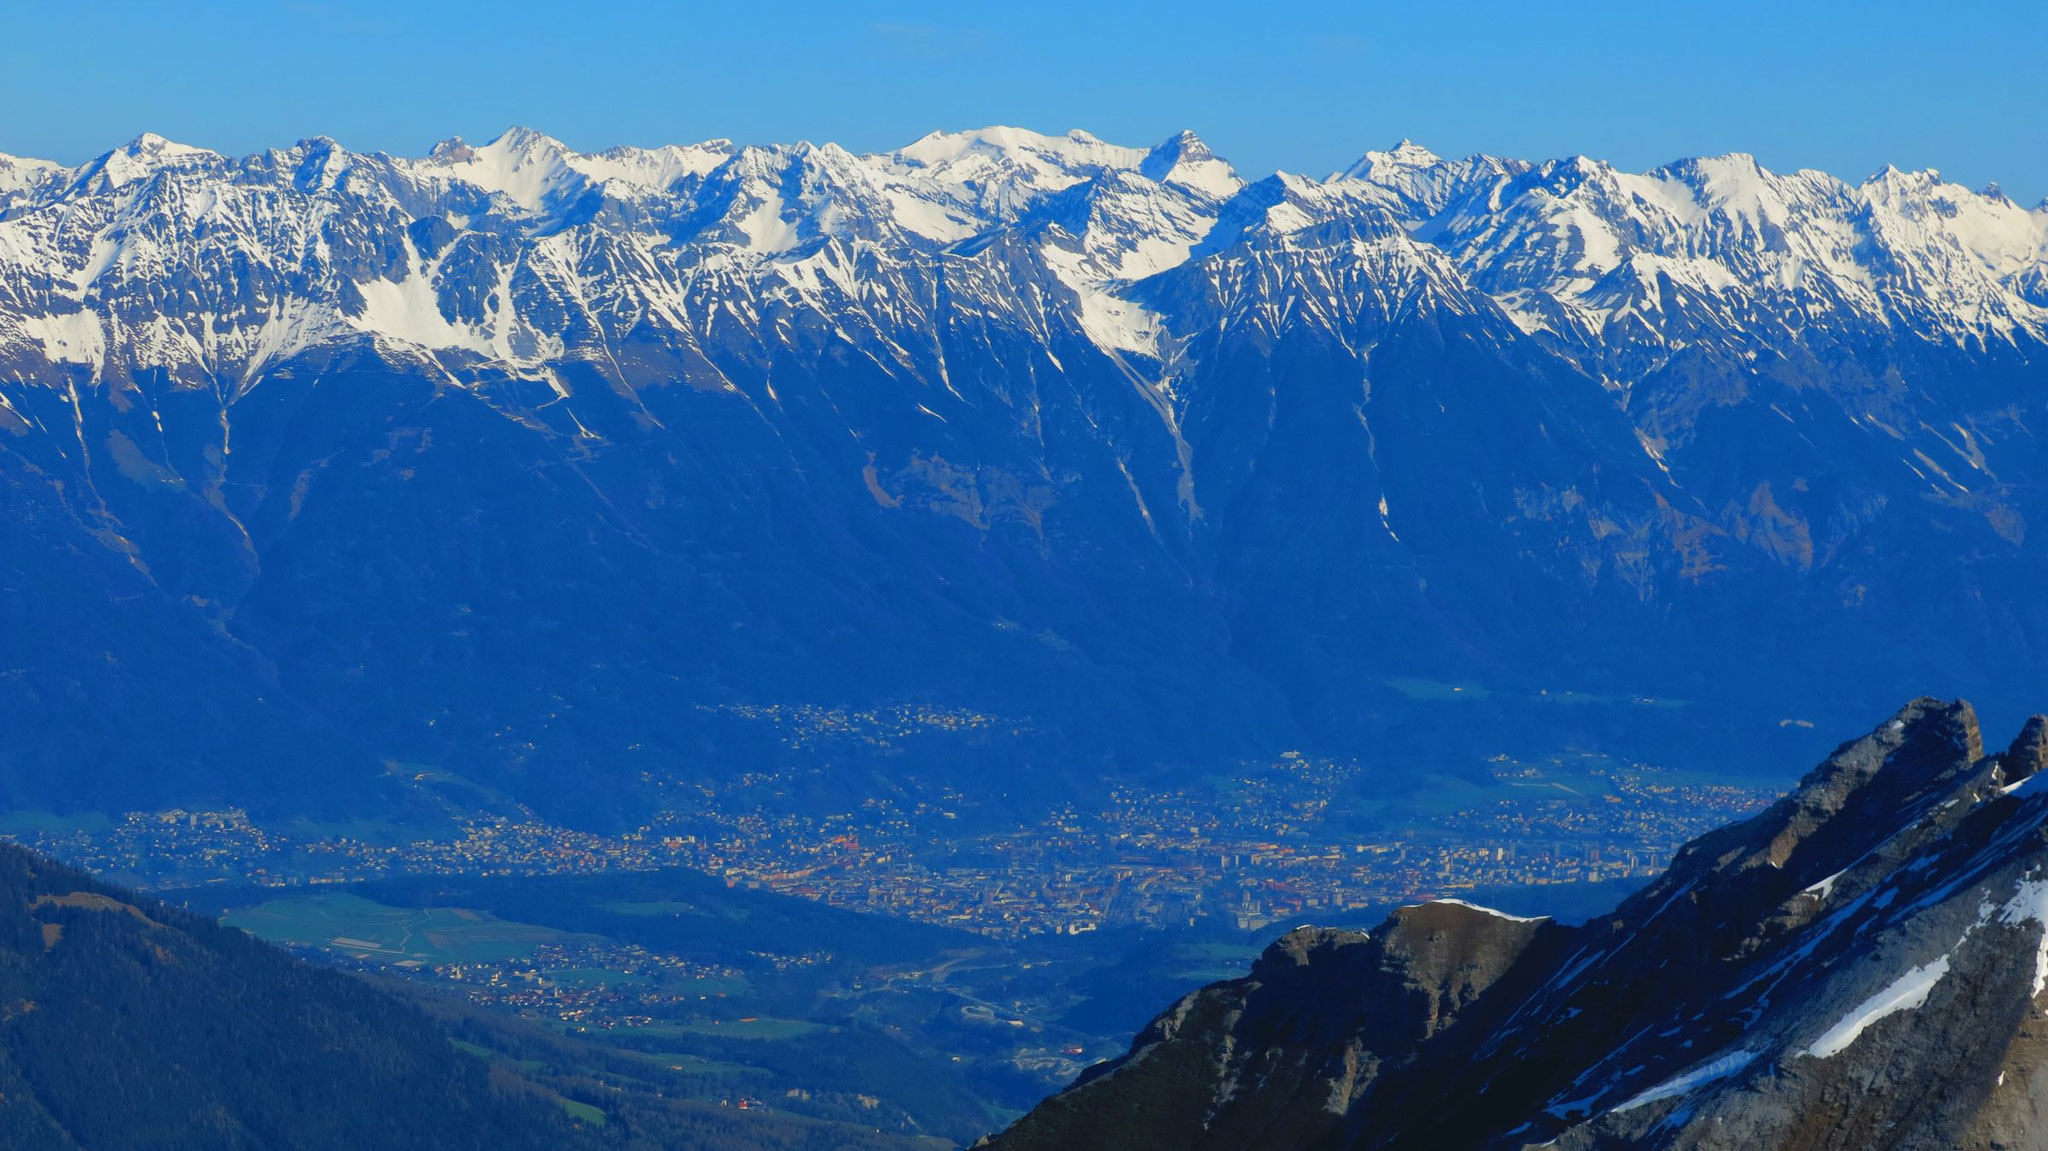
point(1598, 261)
point(1030, 422)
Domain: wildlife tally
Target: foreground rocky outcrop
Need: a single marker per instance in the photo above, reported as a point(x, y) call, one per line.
point(1861, 965)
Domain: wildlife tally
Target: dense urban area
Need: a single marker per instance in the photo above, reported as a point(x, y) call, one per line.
point(1275, 841)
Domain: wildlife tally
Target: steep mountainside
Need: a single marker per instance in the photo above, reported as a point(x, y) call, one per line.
point(126, 1024)
point(1861, 965)
point(528, 460)
point(129, 1024)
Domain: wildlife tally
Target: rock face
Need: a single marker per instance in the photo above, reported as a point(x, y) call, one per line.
point(1271, 1059)
point(526, 461)
point(1864, 964)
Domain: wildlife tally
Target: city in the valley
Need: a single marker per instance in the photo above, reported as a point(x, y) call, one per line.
point(1272, 841)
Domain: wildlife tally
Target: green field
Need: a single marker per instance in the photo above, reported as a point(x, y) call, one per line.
point(485, 1053)
point(762, 1027)
point(582, 1112)
point(358, 927)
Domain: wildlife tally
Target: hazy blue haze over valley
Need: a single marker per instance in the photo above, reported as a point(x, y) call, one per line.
point(753, 616)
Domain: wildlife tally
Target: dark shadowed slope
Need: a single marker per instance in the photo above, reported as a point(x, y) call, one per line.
point(126, 1024)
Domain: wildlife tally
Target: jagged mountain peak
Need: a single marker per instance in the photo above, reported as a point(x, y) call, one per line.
point(1285, 204)
point(1740, 1001)
point(1865, 794)
point(454, 150)
point(539, 173)
point(26, 163)
point(1187, 142)
point(1424, 182)
point(1407, 154)
point(2028, 753)
point(1185, 160)
point(1000, 172)
point(22, 178)
point(1891, 175)
point(153, 145)
point(530, 170)
point(1073, 154)
point(139, 159)
point(513, 144)
point(316, 163)
point(519, 138)
point(660, 168)
point(1735, 180)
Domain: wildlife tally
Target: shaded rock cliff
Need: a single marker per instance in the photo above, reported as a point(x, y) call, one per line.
point(1861, 965)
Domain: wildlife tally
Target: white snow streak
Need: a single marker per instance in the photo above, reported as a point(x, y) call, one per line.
point(1905, 993)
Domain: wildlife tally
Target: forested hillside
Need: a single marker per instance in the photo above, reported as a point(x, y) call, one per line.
point(126, 1025)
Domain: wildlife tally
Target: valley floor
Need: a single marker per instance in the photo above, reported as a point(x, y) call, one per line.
point(915, 965)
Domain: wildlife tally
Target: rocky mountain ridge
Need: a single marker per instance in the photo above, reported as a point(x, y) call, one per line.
point(1861, 965)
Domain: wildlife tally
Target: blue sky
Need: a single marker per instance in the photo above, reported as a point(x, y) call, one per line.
point(1301, 86)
